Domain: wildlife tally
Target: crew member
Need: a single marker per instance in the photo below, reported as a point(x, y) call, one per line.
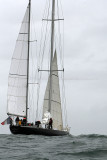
point(50, 123)
point(37, 123)
point(17, 121)
point(20, 122)
point(24, 121)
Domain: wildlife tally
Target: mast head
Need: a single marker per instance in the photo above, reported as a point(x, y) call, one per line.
point(29, 1)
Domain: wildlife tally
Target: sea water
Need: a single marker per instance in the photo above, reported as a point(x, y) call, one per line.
point(32, 147)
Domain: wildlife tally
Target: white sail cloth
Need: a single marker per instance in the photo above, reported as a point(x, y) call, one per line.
point(46, 118)
point(17, 84)
point(56, 111)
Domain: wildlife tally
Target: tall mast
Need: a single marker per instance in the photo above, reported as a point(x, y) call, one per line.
point(51, 57)
point(28, 61)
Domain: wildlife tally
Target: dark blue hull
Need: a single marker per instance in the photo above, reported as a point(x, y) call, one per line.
point(28, 130)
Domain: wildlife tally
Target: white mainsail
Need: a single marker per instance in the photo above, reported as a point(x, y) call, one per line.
point(56, 111)
point(17, 83)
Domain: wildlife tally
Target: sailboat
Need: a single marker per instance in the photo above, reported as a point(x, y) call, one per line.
point(18, 86)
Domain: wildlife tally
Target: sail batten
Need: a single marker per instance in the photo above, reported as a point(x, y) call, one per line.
point(53, 101)
point(55, 111)
point(17, 81)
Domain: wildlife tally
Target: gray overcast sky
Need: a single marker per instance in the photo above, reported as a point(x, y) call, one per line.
point(85, 58)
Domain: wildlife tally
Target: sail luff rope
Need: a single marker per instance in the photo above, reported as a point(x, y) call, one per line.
point(66, 121)
point(61, 61)
point(63, 85)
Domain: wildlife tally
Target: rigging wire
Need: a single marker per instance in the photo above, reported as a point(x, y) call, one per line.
point(42, 55)
point(61, 51)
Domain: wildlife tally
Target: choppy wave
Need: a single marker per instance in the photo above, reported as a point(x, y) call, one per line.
point(83, 147)
point(93, 136)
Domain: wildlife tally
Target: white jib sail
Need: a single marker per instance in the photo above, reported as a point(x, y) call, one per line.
point(56, 111)
point(17, 83)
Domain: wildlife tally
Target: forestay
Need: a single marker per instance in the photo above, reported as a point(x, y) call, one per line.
point(17, 85)
point(56, 111)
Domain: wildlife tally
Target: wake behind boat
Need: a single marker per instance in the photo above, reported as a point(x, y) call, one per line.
point(51, 123)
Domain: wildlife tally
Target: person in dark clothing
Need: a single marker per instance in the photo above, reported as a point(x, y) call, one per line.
point(50, 123)
point(24, 121)
point(17, 121)
point(11, 121)
point(37, 123)
point(21, 122)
